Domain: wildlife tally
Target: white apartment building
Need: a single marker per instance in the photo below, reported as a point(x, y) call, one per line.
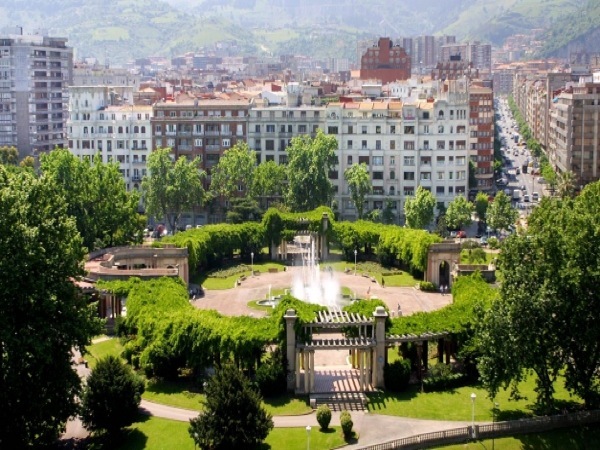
point(35, 71)
point(404, 143)
point(103, 122)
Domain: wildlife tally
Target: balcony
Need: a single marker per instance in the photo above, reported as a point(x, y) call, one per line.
point(212, 133)
point(184, 148)
point(213, 147)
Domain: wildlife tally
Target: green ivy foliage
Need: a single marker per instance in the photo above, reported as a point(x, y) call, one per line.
point(278, 224)
point(469, 293)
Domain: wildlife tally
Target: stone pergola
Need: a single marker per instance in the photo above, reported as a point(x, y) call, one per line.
point(368, 349)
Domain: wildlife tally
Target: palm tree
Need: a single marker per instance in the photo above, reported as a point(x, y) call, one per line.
point(566, 184)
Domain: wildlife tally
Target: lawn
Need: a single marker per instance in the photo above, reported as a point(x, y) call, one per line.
point(99, 350)
point(210, 282)
point(153, 433)
point(571, 438)
point(394, 277)
point(456, 404)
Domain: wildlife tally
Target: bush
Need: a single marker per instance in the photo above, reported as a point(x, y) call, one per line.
point(441, 378)
point(427, 286)
point(493, 243)
point(270, 378)
point(324, 416)
point(397, 375)
point(346, 423)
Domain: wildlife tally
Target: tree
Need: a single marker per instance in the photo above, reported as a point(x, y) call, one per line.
point(234, 169)
point(111, 396)
point(566, 184)
point(309, 163)
point(481, 205)
point(105, 213)
point(501, 214)
point(387, 216)
point(459, 212)
point(419, 209)
point(268, 182)
point(243, 209)
point(42, 314)
point(9, 156)
point(172, 187)
point(359, 183)
point(233, 417)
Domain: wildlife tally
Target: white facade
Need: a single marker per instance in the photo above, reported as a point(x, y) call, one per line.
point(103, 122)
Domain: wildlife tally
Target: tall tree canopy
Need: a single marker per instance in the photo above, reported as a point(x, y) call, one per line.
point(96, 195)
point(501, 214)
point(309, 163)
point(419, 210)
point(546, 319)
point(233, 416)
point(481, 206)
point(172, 187)
point(234, 169)
point(268, 182)
point(459, 212)
point(42, 316)
point(9, 156)
point(359, 183)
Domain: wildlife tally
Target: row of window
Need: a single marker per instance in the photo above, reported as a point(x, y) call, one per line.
point(90, 144)
point(110, 129)
point(409, 160)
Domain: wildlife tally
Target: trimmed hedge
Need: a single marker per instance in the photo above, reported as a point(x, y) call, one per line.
point(396, 375)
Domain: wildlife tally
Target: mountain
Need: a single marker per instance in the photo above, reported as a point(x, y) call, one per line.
point(119, 30)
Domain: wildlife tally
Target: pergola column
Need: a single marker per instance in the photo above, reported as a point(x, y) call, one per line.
point(440, 351)
point(306, 373)
point(360, 371)
point(298, 359)
point(291, 355)
point(312, 370)
point(380, 316)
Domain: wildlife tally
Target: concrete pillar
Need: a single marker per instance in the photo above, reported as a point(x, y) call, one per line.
point(369, 362)
point(380, 316)
point(360, 370)
point(323, 237)
point(297, 372)
point(306, 373)
point(312, 371)
point(290, 335)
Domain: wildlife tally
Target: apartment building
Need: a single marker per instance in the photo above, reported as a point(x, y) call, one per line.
point(404, 144)
point(197, 127)
point(481, 130)
point(574, 132)
point(386, 62)
point(104, 123)
point(35, 71)
point(476, 53)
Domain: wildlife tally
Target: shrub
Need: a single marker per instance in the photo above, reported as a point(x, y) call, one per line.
point(441, 378)
point(324, 416)
point(427, 286)
point(397, 375)
point(346, 423)
point(270, 378)
point(493, 243)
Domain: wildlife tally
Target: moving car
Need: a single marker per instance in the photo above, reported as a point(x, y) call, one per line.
point(535, 197)
point(461, 234)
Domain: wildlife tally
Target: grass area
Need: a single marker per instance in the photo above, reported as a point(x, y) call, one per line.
point(186, 395)
point(215, 283)
point(489, 257)
point(99, 350)
point(394, 277)
point(180, 394)
point(154, 433)
point(456, 404)
point(571, 438)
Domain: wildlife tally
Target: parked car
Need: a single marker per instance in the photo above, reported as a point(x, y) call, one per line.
point(526, 198)
point(483, 241)
point(541, 180)
point(461, 234)
point(535, 197)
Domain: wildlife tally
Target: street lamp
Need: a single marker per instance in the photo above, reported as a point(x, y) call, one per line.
point(195, 440)
point(252, 262)
point(473, 397)
point(355, 253)
point(308, 437)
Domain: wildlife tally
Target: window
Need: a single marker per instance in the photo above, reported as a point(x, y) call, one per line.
point(269, 144)
point(349, 160)
point(425, 160)
point(121, 144)
point(441, 129)
point(409, 191)
point(440, 161)
point(283, 159)
point(425, 129)
point(425, 114)
point(409, 145)
point(364, 129)
point(440, 190)
point(440, 175)
point(392, 174)
point(332, 130)
point(349, 144)
point(302, 128)
point(377, 145)
point(392, 160)
point(378, 129)
point(257, 128)
point(378, 160)
point(409, 160)
point(392, 145)
point(441, 145)
point(393, 129)
point(350, 129)
point(270, 128)
point(364, 145)
point(426, 176)
point(378, 175)
point(392, 190)
point(226, 143)
point(409, 176)
point(333, 175)
point(460, 160)
point(409, 130)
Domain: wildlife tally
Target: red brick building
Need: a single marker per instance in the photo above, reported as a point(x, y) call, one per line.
point(481, 121)
point(386, 62)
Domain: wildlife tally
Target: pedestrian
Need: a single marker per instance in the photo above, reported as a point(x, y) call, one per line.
point(382, 282)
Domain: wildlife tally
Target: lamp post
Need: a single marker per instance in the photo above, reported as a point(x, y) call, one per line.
point(308, 437)
point(252, 262)
point(473, 397)
point(195, 440)
point(494, 412)
point(355, 253)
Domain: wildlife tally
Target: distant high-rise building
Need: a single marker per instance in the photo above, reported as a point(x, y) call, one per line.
point(35, 72)
point(479, 55)
point(385, 62)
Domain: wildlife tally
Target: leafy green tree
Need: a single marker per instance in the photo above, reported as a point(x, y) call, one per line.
point(566, 184)
point(387, 216)
point(359, 183)
point(42, 314)
point(459, 212)
point(309, 163)
point(172, 187)
point(111, 396)
point(419, 210)
point(550, 176)
point(268, 182)
point(105, 213)
point(9, 156)
point(500, 214)
point(233, 417)
point(234, 169)
point(243, 209)
point(28, 162)
point(481, 205)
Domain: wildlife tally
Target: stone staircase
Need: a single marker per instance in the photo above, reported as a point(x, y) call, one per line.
point(338, 401)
